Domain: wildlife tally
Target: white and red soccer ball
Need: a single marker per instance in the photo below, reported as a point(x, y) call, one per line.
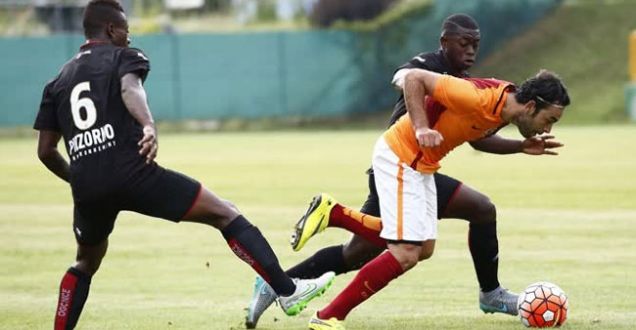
point(542, 305)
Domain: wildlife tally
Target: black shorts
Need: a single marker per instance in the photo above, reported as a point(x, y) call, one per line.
point(446, 187)
point(165, 194)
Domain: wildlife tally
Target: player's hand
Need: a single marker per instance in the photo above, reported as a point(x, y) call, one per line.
point(149, 144)
point(428, 138)
point(540, 145)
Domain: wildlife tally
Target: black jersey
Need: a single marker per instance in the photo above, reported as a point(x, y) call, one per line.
point(436, 62)
point(84, 104)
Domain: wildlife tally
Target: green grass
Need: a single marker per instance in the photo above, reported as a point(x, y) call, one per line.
point(567, 219)
point(586, 42)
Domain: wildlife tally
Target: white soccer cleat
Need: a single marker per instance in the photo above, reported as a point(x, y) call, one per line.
point(306, 290)
point(262, 298)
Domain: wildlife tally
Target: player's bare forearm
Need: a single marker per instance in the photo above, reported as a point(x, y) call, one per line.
point(414, 93)
point(134, 97)
point(536, 145)
point(496, 144)
point(50, 156)
point(418, 84)
point(58, 165)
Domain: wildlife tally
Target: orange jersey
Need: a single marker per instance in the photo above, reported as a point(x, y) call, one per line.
point(460, 110)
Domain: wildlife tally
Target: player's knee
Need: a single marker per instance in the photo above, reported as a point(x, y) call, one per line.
point(428, 247)
point(231, 205)
point(219, 221)
point(224, 210)
point(409, 261)
point(426, 254)
point(219, 216)
point(485, 211)
point(86, 266)
point(89, 257)
point(212, 211)
point(408, 255)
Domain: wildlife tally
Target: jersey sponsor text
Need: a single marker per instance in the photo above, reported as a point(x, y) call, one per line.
point(91, 141)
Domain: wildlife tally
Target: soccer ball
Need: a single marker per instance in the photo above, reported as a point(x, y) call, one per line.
point(542, 305)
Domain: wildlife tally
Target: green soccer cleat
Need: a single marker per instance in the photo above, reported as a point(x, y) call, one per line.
point(316, 323)
point(306, 290)
point(499, 300)
point(262, 298)
point(314, 221)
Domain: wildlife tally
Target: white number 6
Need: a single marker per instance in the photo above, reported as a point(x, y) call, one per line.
point(78, 103)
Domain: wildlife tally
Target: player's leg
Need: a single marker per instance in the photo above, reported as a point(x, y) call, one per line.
point(76, 283)
point(373, 277)
point(359, 250)
point(324, 211)
point(174, 196)
point(460, 201)
point(408, 204)
point(244, 239)
point(92, 224)
point(353, 254)
point(337, 258)
point(478, 210)
point(247, 242)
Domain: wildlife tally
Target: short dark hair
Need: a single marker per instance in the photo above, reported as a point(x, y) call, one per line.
point(546, 88)
point(457, 23)
point(98, 13)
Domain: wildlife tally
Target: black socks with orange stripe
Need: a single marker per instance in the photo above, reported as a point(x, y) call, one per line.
point(247, 242)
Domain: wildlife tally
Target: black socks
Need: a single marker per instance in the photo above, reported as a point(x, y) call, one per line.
point(484, 247)
point(325, 260)
point(247, 242)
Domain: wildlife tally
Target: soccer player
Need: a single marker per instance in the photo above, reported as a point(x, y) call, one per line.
point(97, 103)
point(443, 112)
point(459, 43)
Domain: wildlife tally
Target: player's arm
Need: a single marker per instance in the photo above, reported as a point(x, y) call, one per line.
point(399, 77)
point(50, 156)
point(417, 85)
point(536, 145)
point(134, 96)
point(417, 62)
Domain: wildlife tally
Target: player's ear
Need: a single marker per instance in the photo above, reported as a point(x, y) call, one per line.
point(443, 42)
point(530, 107)
point(110, 31)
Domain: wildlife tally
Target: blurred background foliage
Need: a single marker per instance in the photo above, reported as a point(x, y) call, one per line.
point(585, 41)
point(39, 17)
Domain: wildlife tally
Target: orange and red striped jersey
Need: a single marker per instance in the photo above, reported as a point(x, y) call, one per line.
point(460, 109)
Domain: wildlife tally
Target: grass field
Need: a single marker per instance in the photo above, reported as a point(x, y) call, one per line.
point(569, 219)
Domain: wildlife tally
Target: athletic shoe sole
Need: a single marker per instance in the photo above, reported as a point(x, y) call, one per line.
point(296, 238)
point(300, 306)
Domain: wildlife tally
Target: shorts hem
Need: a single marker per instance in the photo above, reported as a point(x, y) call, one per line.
point(194, 201)
point(450, 199)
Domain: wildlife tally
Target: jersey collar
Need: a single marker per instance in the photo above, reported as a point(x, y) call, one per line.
point(93, 42)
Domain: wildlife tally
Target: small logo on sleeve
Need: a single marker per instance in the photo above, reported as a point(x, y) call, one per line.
point(142, 56)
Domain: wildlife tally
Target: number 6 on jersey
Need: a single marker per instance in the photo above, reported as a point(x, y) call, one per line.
point(78, 103)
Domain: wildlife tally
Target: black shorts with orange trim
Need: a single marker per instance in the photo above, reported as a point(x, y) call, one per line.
point(165, 194)
point(446, 188)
